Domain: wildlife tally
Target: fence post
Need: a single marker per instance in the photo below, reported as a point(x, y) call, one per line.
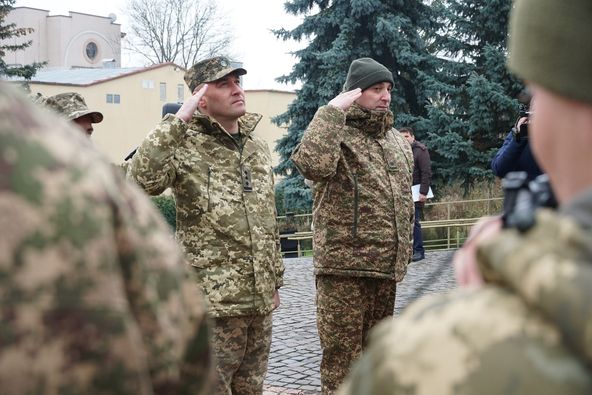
point(448, 228)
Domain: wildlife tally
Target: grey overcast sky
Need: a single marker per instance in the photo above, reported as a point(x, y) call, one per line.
point(250, 21)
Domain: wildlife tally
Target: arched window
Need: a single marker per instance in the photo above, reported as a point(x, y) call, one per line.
point(91, 50)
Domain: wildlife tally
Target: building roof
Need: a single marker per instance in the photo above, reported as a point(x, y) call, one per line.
point(87, 77)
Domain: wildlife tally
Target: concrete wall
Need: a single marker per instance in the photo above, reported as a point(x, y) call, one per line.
point(61, 40)
point(269, 103)
point(125, 124)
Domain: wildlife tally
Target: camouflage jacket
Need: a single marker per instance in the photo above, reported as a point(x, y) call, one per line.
point(226, 218)
point(363, 210)
point(527, 332)
point(95, 296)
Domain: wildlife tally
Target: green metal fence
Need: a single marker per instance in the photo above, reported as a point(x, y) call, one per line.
point(445, 224)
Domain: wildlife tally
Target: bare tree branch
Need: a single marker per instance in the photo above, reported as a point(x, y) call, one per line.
point(179, 31)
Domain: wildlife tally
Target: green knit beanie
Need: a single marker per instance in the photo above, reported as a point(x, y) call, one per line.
point(551, 45)
point(365, 72)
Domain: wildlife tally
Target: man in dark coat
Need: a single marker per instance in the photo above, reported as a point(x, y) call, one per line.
point(422, 176)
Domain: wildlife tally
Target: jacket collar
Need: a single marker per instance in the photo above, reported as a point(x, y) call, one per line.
point(208, 125)
point(374, 123)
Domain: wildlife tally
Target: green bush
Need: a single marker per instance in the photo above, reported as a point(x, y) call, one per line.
point(166, 205)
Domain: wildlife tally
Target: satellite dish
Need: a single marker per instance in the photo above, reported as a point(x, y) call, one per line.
point(113, 17)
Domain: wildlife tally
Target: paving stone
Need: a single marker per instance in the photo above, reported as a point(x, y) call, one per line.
point(295, 354)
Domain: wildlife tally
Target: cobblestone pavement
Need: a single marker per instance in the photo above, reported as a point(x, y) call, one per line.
point(295, 351)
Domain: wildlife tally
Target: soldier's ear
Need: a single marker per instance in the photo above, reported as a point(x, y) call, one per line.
point(202, 103)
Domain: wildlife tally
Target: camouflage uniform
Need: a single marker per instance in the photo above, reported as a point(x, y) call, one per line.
point(526, 333)
point(94, 295)
point(363, 218)
point(226, 220)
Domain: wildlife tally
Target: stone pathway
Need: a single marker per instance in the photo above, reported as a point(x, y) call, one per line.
point(295, 351)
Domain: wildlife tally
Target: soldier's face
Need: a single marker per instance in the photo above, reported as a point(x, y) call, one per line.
point(224, 99)
point(377, 97)
point(85, 123)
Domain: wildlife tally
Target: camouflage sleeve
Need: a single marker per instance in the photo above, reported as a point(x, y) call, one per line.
point(279, 262)
point(318, 153)
point(549, 266)
point(164, 299)
point(94, 293)
point(470, 341)
point(153, 166)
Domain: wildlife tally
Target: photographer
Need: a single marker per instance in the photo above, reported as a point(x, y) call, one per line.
point(515, 153)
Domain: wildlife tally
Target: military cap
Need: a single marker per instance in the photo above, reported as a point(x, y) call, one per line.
point(73, 106)
point(548, 45)
point(365, 72)
point(210, 70)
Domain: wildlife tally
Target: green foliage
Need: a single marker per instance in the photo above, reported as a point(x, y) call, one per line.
point(11, 31)
point(166, 205)
point(475, 103)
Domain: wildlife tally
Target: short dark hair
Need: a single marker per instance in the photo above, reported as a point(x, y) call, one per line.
point(407, 129)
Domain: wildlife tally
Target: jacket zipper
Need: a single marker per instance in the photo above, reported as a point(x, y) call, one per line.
point(356, 203)
point(209, 180)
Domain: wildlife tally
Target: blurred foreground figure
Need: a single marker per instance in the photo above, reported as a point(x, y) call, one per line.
point(94, 294)
point(521, 324)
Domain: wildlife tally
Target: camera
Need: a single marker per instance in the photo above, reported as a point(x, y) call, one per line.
point(522, 198)
point(521, 133)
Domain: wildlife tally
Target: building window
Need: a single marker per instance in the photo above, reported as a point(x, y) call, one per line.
point(147, 84)
point(113, 98)
point(163, 91)
point(91, 51)
point(180, 93)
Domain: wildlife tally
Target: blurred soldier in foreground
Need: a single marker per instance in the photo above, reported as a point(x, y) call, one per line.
point(521, 325)
point(363, 213)
point(74, 108)
point(220, 174)
point(95, 296)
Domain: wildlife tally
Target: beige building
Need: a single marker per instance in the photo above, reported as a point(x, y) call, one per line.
point(83, 54)
point(131, 100)
point(75, 40)
point(269, 103)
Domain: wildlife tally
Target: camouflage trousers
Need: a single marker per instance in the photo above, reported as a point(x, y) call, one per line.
point(241, 349)
point(347, 308)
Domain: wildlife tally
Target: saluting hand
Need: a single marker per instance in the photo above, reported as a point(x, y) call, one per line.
point(190, 105)
point(345, 99)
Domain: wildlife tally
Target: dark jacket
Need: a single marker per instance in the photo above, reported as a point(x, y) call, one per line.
point(515, 156)
point(422, 167)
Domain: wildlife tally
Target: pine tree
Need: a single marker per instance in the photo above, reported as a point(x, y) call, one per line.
point(8, 31)
point(476, 103)
point(389, 31)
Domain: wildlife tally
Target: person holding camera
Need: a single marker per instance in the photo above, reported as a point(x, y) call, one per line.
point(515, 154)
